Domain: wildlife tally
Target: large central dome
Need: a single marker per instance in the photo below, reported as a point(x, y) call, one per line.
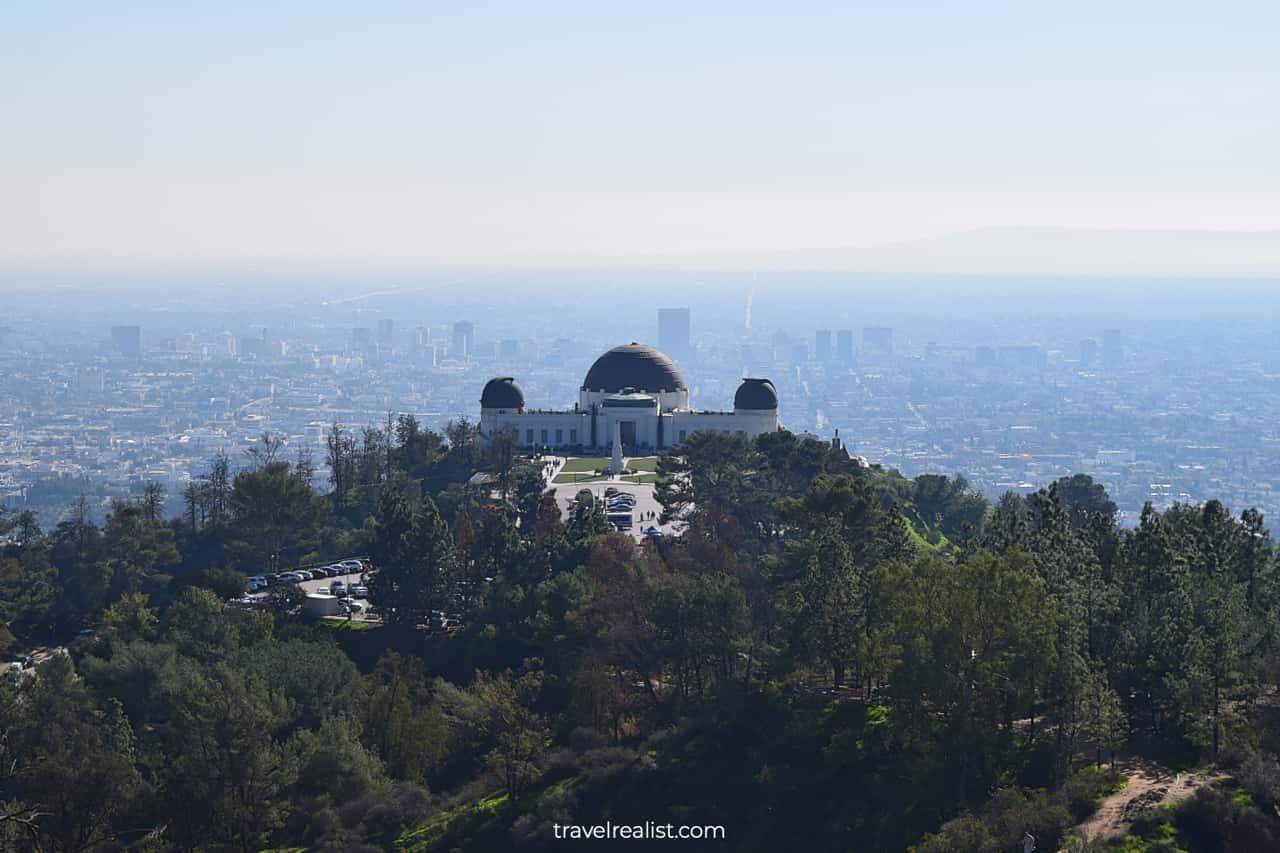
point(636, 366)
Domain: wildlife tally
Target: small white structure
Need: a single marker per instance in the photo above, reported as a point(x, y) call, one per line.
point(320, 604)
point(634, 396)
point(615, 463)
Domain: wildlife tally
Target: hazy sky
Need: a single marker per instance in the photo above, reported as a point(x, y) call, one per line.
point(405, 132)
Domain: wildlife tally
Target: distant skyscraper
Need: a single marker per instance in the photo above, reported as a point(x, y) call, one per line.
point(877, 341)
point(844, 345)
point(464, 339)
point(386, 330)
point(1112, 349)
point(127, 340)
point(422, 336)
point(781, 342)
point(822, 345)
point(508, 348)
point(361, 337)
point(673, 333)
point(1088, 352)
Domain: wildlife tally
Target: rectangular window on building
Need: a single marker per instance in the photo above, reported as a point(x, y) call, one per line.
point(528, 437)
point(573, 436)
point(544, 436)
point(559, 437)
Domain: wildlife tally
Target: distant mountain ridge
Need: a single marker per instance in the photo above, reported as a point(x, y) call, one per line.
point(1061, 251)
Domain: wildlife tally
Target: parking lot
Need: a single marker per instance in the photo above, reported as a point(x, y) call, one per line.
point(319, 586)
point(323, 585)
point(646, 504)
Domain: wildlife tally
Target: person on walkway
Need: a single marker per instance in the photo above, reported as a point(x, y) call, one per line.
point(1028, 843)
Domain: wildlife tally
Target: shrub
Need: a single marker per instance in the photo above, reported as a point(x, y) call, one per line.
point(1259, 774)
point(1086, 788)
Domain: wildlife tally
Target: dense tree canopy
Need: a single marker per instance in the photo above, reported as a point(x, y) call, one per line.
point(828, 657)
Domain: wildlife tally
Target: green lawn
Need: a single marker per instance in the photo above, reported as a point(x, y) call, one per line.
point(582, 470)
point(578, 477)
point(584, 464)
point(342, 623)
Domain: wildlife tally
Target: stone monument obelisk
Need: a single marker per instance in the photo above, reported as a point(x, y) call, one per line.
point(615, 464)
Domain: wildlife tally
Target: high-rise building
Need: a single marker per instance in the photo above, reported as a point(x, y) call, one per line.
point(386, 330)
point(844, 345)
point(822, 345)
point(877, 341)
point(673, 333)
point(508, 348)
point(464, 340)
point(1088, 352)
point(127, 340)
point(1112, 348)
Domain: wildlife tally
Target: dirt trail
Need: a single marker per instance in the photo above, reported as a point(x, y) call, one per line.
point(1149, 785)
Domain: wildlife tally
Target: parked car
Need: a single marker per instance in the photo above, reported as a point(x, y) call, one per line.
point(352, 566)
point(359, 591)
point(337, 588)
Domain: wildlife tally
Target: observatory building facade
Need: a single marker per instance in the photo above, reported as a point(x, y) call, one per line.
point(638, 389)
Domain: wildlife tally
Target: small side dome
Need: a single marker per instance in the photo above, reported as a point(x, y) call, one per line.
point(502, 393)
point(756, 394)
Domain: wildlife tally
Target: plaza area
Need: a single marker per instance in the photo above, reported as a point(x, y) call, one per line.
point(570, 475)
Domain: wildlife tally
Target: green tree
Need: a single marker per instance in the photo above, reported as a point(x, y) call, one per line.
point(518, 734)
point(75, 766)
point(400, 721)
point(414, 555)
point(275, 513)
